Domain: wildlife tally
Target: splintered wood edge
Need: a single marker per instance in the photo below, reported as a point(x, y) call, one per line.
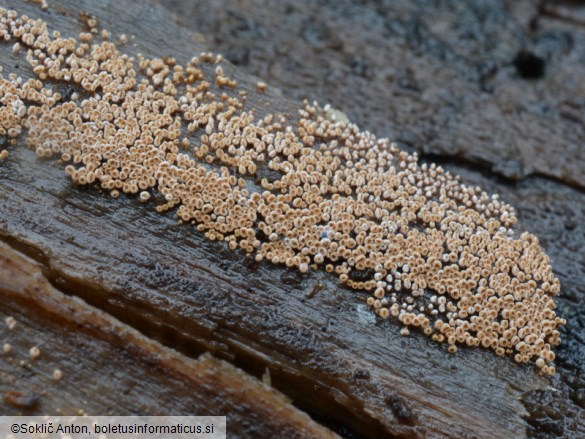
point(21, 279)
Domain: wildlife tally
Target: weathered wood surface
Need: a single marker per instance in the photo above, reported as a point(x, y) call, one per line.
point(326, 351)
point(110, 368)
point(442, 77)
point(422, 71)
point(321, 345)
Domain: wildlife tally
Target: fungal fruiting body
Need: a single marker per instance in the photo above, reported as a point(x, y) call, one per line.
point(307, 192)
point(34, 352)
point(57, 374)
point(10, 323)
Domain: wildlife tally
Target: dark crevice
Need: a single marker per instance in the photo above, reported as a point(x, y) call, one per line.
point(529, 66)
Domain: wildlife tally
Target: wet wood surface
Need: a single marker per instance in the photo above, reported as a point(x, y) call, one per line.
point(322, 346)
point(491, 90)
point(108, 368)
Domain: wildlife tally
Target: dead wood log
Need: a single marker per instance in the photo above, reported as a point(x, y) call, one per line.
point(105, 367)
point(418, 67)
point(322, 346)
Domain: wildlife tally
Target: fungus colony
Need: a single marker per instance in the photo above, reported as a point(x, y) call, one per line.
point(433, 253)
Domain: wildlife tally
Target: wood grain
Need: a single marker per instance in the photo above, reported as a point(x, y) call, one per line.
point(323, 348)
point(110, 368)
